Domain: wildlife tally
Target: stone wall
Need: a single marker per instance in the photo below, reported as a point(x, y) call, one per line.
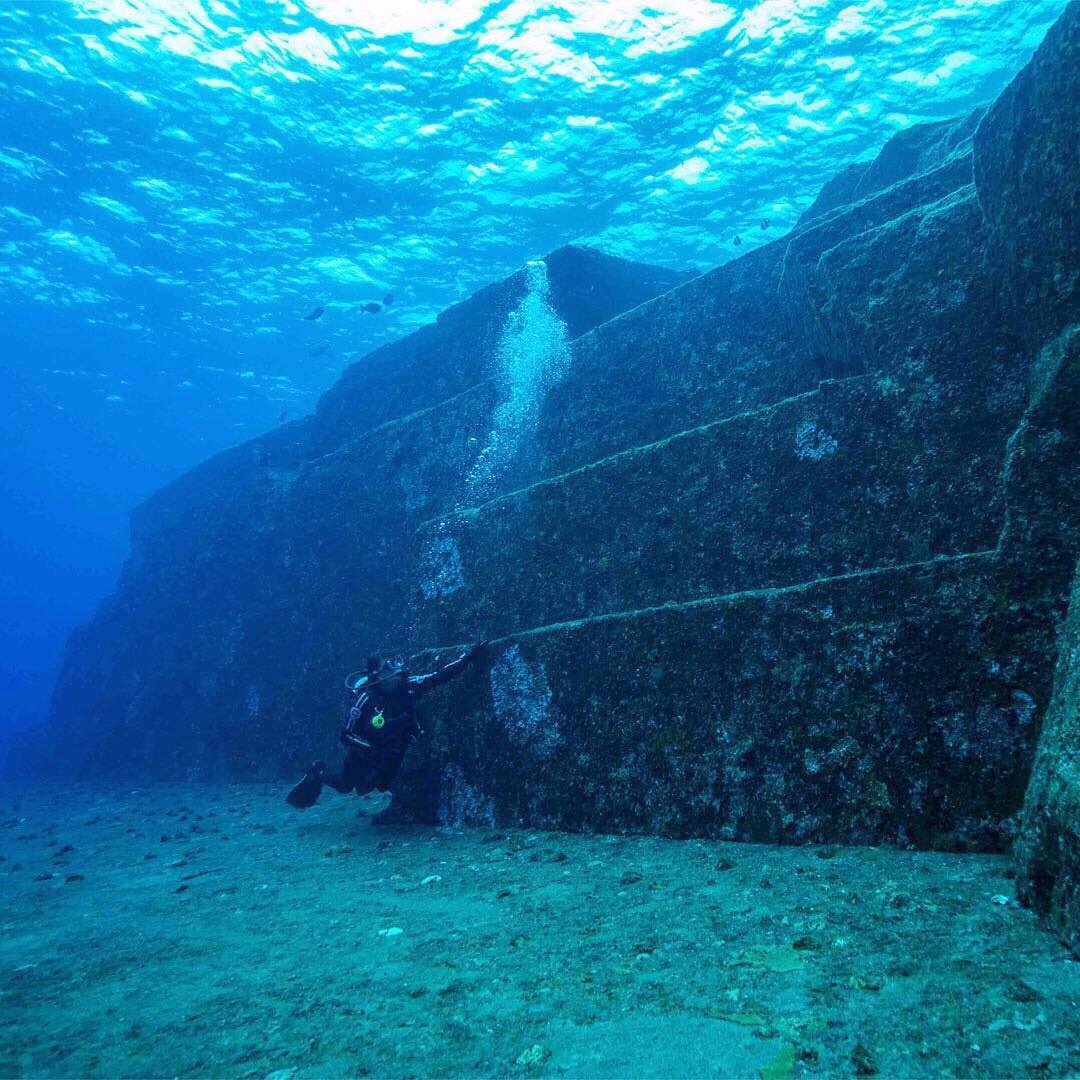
point(786, 558)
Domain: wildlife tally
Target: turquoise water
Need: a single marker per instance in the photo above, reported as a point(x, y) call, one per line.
point(204, 173)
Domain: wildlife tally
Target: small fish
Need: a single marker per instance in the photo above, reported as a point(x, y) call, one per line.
point(319, 350)
point(317, 313)
point(764, 223)
point(283, 417)
point(737, 241)
point(388, 299)
point(372, 308)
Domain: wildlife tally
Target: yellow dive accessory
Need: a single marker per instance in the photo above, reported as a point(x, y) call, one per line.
point(378, 720)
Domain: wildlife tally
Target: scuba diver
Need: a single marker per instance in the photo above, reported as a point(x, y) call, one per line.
point(379, 728)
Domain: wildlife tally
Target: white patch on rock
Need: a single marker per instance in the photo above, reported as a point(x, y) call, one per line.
point(522, 701)
point(812, 443)
point(442, 569)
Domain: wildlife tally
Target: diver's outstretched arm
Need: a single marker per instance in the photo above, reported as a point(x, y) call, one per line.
point(448, 671)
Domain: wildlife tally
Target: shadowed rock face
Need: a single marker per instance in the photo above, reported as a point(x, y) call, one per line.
point(257, 579)
point(1048, 848)
point(784, 558)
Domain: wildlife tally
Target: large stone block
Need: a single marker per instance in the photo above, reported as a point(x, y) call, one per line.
point(1027, 159)
point(854, 475)
point(915, 152)
point(864, 709)
point(898, 275)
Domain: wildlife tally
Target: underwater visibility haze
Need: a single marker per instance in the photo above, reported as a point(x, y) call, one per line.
point(540, 539)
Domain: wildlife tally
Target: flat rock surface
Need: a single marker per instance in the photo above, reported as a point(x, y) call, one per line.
point(200, 930)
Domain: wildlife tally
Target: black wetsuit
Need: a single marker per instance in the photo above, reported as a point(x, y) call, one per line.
point(380, 726)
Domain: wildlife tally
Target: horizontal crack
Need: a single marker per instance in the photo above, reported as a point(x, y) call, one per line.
point(764, 410)
point(707, 601)
point(357, 440)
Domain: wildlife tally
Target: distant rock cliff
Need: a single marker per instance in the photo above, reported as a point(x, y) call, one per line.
point(783, 557)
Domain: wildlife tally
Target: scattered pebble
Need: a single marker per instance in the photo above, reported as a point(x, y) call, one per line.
point(537, 1054)
point(282, 1074)
point(336, 850)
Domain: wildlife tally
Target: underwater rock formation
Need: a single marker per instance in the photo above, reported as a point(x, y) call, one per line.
point(784, 556)
point(1048, 848)
point(257, 580)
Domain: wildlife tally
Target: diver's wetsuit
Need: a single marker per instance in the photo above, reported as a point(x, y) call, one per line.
point(380, 726)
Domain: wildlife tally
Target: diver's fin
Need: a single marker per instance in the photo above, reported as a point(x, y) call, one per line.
point(306, 793)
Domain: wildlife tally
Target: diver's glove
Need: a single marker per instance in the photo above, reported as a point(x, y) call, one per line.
point(477, 649)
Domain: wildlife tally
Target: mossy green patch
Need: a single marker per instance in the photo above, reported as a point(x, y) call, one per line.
point(779, 958)
point(781, 1066)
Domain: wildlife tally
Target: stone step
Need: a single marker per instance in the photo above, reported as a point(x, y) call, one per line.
point(860, 472)
point(863, 708)
point(742, 336)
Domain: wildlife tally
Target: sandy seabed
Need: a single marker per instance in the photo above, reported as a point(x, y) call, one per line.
point(211, 930)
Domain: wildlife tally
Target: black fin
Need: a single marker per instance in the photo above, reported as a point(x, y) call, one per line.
point(306, 793)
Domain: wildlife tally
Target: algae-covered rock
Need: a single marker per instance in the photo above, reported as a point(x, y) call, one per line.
point(1027, 158)
point(1048, 846)
point(782, 555)
point(871, 707)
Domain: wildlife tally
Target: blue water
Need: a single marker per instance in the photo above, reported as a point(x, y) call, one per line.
point(181, 182)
